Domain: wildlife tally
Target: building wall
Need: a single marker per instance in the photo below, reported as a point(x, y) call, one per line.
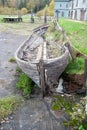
point(76, 9)
point(80, 7)
point(62, 7)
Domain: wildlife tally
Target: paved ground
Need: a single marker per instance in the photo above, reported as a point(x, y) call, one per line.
point(33, 114)
point(8, 45)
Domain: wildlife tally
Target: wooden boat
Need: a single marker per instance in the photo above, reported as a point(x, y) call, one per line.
point(35, 49)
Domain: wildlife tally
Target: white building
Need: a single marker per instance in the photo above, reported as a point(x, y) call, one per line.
point(62, 7)
point(76, 9)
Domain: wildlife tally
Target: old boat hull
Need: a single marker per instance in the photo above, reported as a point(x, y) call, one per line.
point(53, 66)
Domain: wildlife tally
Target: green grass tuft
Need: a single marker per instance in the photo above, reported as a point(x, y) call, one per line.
point(25, 84)
point(13, 60)
point(18, 70)
point(8, 105)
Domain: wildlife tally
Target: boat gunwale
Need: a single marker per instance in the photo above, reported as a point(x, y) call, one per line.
point(37, 61)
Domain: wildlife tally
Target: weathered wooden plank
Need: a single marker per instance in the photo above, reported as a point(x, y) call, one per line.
point(62, 61)
point(85, 74)
point(44, 51)
point(42, 77)
point(70, 50)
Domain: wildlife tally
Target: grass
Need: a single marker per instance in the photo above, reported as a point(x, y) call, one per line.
point(61, 102)
point(8, 105)
point(75, 67)
point(25, 84)
point(18, 70)
point(13, 60)
point(24, 28)
point(76, 111)
point(77, 33)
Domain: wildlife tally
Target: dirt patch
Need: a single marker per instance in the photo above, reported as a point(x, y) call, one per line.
point(73, 83)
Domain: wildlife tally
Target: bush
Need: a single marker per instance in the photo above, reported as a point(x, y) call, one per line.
point(8, 11)
point(49, 9)
point(24, 11)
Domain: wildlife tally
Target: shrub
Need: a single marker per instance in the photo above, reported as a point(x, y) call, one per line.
point(24, 11)
point(49, 10)
point(8, 11)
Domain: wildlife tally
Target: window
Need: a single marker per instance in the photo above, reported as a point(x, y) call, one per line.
point(62, 14)
point(71, 14)
point(60, 5)
point(77, 3)
point(84, 1)
point(66, 5)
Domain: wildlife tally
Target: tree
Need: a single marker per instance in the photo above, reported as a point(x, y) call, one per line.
point(31, 5)
point(3, 3)
point(12, 4)
point(50, 9)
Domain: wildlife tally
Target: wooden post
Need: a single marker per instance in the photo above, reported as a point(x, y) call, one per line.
point(32, 17)
point(64, 34)
point(85, 74)
point(57, 15)
point(42, 78)
point(45, 17)
point(70, 50)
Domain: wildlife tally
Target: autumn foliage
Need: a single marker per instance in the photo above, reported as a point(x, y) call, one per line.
point(49, 10)
point(24, 11)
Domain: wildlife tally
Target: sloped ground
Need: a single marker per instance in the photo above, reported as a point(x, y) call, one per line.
point(33, 114)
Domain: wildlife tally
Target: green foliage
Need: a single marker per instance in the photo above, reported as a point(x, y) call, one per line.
point(81, 127)
point(13, 60)
point(8, 104)
point(75, 110)
point(62, 102)
point(25, 84)
point(48, 9)
point(18, 69)
point(8, 11)
point(75, 67)
point(1, 18)
point(34, 5)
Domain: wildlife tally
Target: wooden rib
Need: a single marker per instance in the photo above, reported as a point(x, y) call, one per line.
point(44, 51)
point(39, 54)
